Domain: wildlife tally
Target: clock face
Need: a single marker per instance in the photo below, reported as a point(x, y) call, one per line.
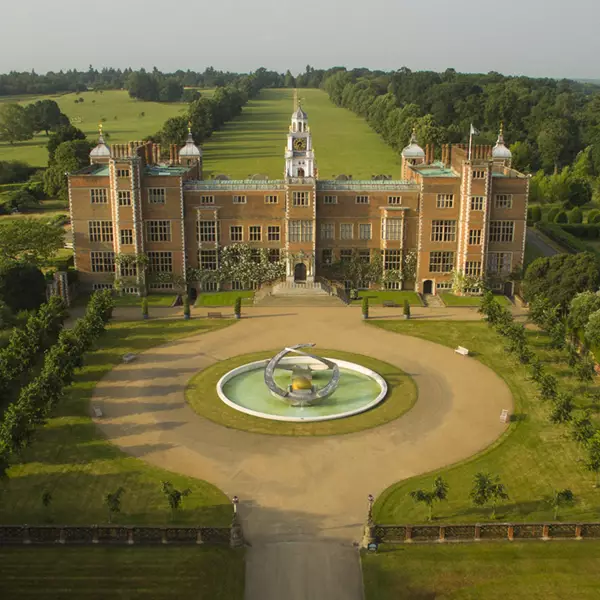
point(300, 144)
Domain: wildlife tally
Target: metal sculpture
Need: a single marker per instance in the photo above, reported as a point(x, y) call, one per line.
point(301, 392)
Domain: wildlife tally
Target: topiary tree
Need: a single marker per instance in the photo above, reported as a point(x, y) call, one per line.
point(174, 496)
point(186, 307)
point(144, 307)
point(365, 307)
point(237, 307)
point(438, 492)
point(575, 215)
point(592, 214)
point(536, 213)
point(561, 217)
point(548, 387)
point(488, 489)
point(112, 501)
point(551, 216)
point(585, 369)
point(406, 309)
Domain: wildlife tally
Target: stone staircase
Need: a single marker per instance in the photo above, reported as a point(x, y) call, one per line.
point(433, 301)
point(291, 293)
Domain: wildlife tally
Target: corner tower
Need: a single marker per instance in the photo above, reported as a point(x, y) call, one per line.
point(299, 154)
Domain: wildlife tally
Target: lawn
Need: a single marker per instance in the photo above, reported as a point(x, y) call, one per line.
point(97, 573)
point(153, 300)
point(202, 397)
point(533, 459)
point(123, 120)
point(381, 296)
point(494, 571)
point(224, 298)
point(452, 300)
point(71, 459)
point(254, 142)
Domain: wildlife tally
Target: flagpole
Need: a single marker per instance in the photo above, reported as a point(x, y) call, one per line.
point(470, 140)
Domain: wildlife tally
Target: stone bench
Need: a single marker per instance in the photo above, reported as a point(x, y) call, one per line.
point(504, 416)
point(462, 351)
point(127, 358)
point(97, 412)
point(215, 315)
point(390, 304)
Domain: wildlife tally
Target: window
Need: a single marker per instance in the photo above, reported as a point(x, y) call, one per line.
point(327, 256)
point(273, 233)
point(329, 199)
point(161, 287)
point(123, 173)
point(209, 286)
point(99, 196)
point(393, 229)
point(102, 286)
point(392, 260)
point(126, 236)
point(156, 195)
point(158, 231)
point(502, 231)
point(206, 231)
point(477, 202)
point(364, 256)
point(478, 174)
point(391, 285)
point(445, 201)
point(128, 270)
point(255, 233)
point(236, 233)
point(346, 231)
point(364, 231)
point(443, 285)
point(362, 199)
point(237, 285)
point(240, 200)
point(102, 262)
point(124, 197)
point(503, 201)
point(207, 199)
point(475, 237)
point(473, 268)
point(160, 262)
point(441, 262)
point(499, 263)
point(255, 255)
point(301, 231)
point(271, 199)
point(101, 231)
point(274, 255)
point(346, 255)
point(395, 200)
point(300, 198)
point(327, 231)
point(131, 291)
point(208, 260)
point(443, 231)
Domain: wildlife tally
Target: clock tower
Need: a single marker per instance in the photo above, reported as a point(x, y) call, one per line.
point(299, 154)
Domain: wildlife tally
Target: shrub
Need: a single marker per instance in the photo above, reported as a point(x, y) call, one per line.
point(561, 217)
point(562, 237)
point(186, 306)
point(22, 201)
point(406, 308)
point(592, 214)
point(237, 307)
point(575, 215)
point(552, 214)
point(22, 286)
point(365, 306)
point(144, 307)
point(596, 218)
point(536, 213)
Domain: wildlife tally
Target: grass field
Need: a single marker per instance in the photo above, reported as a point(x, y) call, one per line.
point(535, 458)
point(452, 300)
point(153, 300)
point(123, 120)
point(97, 573)
point(494, 571)
point(202, 397)
point(71, 459)
point(255, 141)
point(378, 297)
point(224, 298)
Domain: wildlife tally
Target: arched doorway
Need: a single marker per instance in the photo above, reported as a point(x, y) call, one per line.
point(508, 288)
point(300, 172)
point(428, 287)
point(300, 273)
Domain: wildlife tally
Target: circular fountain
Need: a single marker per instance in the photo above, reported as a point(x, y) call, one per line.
point(303, 387)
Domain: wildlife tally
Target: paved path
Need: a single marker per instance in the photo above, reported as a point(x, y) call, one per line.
point(303, 500)
point(541, 242)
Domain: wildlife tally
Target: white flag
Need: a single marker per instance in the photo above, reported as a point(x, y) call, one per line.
point(473, 130)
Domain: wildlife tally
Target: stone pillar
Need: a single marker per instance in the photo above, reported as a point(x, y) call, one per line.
point(236, 539)
point(61, 536)
point(442, 537)
point(408, 534)
point(511, 532)
point(545, 532)
point(94, 534)
point(199, 539)
point(477, 533)
point(369, 528)
point(578, 532)
point(130, 540)
point(164, 536)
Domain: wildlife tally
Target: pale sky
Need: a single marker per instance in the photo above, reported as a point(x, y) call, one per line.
point(554, 38)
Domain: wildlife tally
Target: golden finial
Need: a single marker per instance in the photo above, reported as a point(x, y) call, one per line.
point(501, 127)
point(100, 128)
point(189, 127)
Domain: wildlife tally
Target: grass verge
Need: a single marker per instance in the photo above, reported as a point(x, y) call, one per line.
point(494, 571)
point(378, 297)
point(202, 397)
point(452, 300)
point(97, 573)
point(153, 300)
point(72, 460)
point(224, 298)
point(535, 458)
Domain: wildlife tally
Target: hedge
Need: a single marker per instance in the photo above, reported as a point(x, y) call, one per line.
point(560, 235)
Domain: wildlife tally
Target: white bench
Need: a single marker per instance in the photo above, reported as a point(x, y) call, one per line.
point(127, 358)
point(97, 411)
point(461, 350)
point(504, 417)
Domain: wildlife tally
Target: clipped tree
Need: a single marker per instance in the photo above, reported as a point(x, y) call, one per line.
point(186, 306)
point(548, 386)
point(561, 498)
point(552, 213)
point(365, 307)
point(112, 500)
point(174, 496)
point(592, 329)
point(593, 215)
point(561, 217)
point(582, 427)
point(575, 215)
point(144, 307)
point(562, 408)
point(581, 307)
point(406, 309)
point(585, 369)
point(536, 213)
point(488, 489)
point(438, 492)
point(237, 307)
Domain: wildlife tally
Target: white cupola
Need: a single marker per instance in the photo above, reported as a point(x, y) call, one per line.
point(299, 153)
point(500, 152)
point(101, 153)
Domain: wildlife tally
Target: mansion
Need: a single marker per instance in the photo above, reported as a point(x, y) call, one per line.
point(465, 213)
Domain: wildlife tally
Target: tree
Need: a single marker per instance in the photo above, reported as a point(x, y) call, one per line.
point(536, 213)
point(44, 115)
point(112, 500)
point(143, 86)
point(579, 193)
point(592, 462)
point(561, 217)
point(22, 201)
point(289, 81)
point(575, 215)
point(438, 492)
point(548, 386)
point(30, 240)
point(170, 90)
point(22, 285)
point(562, 408)
point(585, 369)
point(173, 495)
point(488, 489)
point(561, 498)
point(581, 307)
point(592, 329)
point(66, 133)
point(174, 131)
point(69, 157)
point(582, 428)
point(551, 141)
point(15, 125)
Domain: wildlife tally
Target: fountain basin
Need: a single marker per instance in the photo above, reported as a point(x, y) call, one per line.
point(244, 390)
